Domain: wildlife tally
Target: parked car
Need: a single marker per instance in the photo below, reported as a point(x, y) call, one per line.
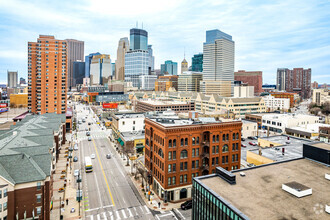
point(108, 156)
point(88, 133)
point(186, 205)
point(255, 138)
point(75, 159)
point(251, 138)
point(89, 123)
point(252, 143)
point(76, 173)
point(75, 147)
point(89, 138)
point(93, 156)
point(243, 145)
point(242, 139)
point(86, 129)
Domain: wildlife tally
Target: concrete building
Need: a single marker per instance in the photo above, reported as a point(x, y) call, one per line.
point(29, 151)
point(123, 47)
point(47, 75)
point(151, 59)
point(243, 91)
point(324, 134)
point(249, 129)
point(225, 195)
point(78, 73)
point(100, 69)
point(321, 96)
point(164, 83)
point(189, 81)
point(177, 150)
point(12, 79)
point(268, 88)
point(252, 78)
point(163, 105)
point(169, 68)
point(19, 100)
point(88, 61)
point(314, 85)
point(197, 63)
point(308, 131)
point(218, 64)
point(297, 80)
point(148, 82)
point(75, 51)
point(279, 122)
point(22, 81)
point(294, 97)
point(184, 66)
point(274, 104)
point(127, 122)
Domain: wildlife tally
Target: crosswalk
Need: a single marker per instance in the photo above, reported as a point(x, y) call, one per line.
point(138, 212)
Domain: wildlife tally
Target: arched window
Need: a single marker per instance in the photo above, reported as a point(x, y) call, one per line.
point(217, 138)
point(227, 137)
point(182, 141)
point(233, 136)
point(223, 137)
point(186, 141)
point(184, 154)
point(193, 141)
point(170, 143)
point(197, 140)
point(174, 142)
point(213, 138)
point(147, 141)
point(225, 148)
point(237, 136)
point(160, 153)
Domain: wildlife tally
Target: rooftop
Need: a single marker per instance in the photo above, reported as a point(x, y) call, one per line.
point(163, 102)
point(322, 145)
point(259, 193)
point(131, 136)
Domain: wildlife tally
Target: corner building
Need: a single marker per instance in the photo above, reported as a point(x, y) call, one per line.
point(47, 75)
point(177, 150)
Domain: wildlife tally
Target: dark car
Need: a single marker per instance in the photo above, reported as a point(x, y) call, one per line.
point(75, 159)
point(89, 123)
point(108, 156)
point(186, 205)
point(87, 133)
point(251, 138)
point(242, 139)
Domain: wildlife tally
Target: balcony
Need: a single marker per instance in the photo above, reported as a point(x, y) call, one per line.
point(205, 155)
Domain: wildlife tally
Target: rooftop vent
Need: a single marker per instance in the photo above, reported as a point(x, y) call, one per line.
point(297, 189)
point(327, 209)
point(327, 176)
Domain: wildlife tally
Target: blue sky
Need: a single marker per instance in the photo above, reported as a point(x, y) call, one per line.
point(267, 34)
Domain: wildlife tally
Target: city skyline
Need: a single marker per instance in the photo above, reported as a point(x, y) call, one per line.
point(292, 40)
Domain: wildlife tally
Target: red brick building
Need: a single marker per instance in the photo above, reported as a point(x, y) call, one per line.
point(252, 78)
point(163, 105)
point(177, 150)
point(287, 95)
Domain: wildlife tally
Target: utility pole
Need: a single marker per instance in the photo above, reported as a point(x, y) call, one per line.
point(60, 207)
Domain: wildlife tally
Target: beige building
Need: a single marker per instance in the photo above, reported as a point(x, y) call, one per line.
point(223, 88)
point(249, 129)
point(321, 96)
point(75, 52)
point(123, 46)
point(190, 81)
point(184, 66)
point(243, 91)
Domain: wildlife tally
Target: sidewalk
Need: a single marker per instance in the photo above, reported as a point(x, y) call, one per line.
point(154, 199)
point(69, 192)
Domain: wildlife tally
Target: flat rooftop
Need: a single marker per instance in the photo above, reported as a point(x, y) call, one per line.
point(322, 146)
point(163, 102)
point(259, 194)
point(171, 122)
point(131, 136)
point(129, 115)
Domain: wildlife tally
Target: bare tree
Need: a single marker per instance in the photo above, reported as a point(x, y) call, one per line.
point(128, 150)
point(326, 108)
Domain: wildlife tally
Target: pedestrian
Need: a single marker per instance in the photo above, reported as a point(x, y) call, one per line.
point(67, 201)
point(158, 204)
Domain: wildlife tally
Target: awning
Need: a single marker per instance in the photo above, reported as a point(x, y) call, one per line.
point(121, 143)
point(139, 146)
point(119, 140)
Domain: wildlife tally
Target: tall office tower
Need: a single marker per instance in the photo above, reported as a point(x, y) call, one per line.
point(78, 72)
point(218, 64)
point(184, 66)
point(47, 75)
point(137, 58)
point(12, 78)
point(75, 51)
point(100, 69)
point(169, 68)
point(197, 63)
point(280, 79)
point(151, 59)
point(252, 78)
point(88, 61)
point(22, 80)
point(123, 47)
point(113, 70)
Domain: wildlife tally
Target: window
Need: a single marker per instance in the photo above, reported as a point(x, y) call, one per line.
point(0, 194)
point(181, 166)
point(186, 141)
point(170, 143)
point(5, 206)
point(213, 149)
point(170, 155)
point(197, 140)
point(223, 137)
point(38, 185)
point(181, 141)
point(227, 137)
point(169, 181)
point(133, 128)
point(213, 160)
point(38, 210)
point(217, 138)
point(197, 164)
point(123, 123)
point(225, 148)
point(233, 136)
point(181, 179)
point(197, 152)
point(174, 143)
point(193, 141)
point(147, 141)
point(133, 122)
point(237, 136)
point(185, 178)
point(174, 155)
point(0, 207)
point(213, 138)
point(217, 149)
point(38, 198)
point(174, 167)
point(193, 154)
point(183, 154)
point(193, 164)
point(185, 165)
point(173, 180)
point(217, 160)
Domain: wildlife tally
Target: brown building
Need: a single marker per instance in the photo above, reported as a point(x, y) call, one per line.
point(324, 134)
point(294, 97)
point(164, 83)
point(161, 106)
point(314, 85)
point(47, 75)
point(177, 150)
point(252, 78)
point(75, 51)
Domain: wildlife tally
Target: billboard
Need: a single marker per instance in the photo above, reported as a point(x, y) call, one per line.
point(110, 105)
point(3, 105)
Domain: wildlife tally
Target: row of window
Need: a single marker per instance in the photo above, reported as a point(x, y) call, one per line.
point(3, 193)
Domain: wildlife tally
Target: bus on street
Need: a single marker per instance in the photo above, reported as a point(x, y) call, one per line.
point(88, 165)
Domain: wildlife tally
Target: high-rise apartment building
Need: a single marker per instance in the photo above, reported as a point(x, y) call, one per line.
point(218, 64)
point(75, 51)
point(197, 63)
point(190, 81)
point(78, 72)
point(88, 61)
point(12, 79)
point(47, 75)
point(123, 47)
point(100, 69)
point(252, 78)
point(184, 65)
point(169, 68)
point(297, 80)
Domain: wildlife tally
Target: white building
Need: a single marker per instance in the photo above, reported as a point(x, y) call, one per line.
point(273, 103)
point(243, 91)
point(278, 122)
point(147, 82)
point(249, 129)
point(127, 122)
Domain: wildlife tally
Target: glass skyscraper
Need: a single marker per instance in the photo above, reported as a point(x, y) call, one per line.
point(169, 68)
point(88, 61)
point(197, 63)
point(138, 39)
point(136, 65)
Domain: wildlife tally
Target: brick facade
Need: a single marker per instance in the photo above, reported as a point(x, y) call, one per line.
point(252, 78)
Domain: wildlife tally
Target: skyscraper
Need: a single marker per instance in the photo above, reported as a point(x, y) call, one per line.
point(123, 47)
point(12, 79)
point(169, 68)
point(184, 65)
point(138, 39)
point(100, 69)
point(47, 75)
point(218, 64)
point(22, 80)
point(197, 62)
point(78, 72)
point(88, 60)
point(75, 51)
point(151, 59)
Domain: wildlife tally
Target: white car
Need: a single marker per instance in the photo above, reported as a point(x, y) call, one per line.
point(76, 173)
point(93, 156)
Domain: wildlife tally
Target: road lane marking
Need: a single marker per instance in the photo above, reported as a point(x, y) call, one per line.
point(92, 217)
point(106, 181)
point(89, 210)
point(136, 213)
point(124, 200)
point(98, 189)
point(180, 213)
point(111, 215)
point(124, 214)
point(118, 217)
point(130, 213)
point(98, 217)
point(174, 215)
point(148, 211)
point(104, 216)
